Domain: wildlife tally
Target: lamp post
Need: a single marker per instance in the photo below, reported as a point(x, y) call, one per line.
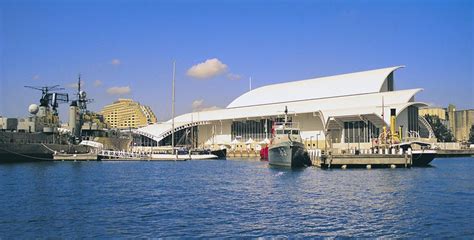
point(371, 140)
point(358, 143)
point(348, 144)
point(328, 133)
point(317, 140)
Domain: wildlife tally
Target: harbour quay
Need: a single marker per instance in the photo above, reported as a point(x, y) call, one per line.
point(330, 116)
point(366, 159)
point(367, 115)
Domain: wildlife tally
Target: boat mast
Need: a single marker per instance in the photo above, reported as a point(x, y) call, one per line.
point(172, 108)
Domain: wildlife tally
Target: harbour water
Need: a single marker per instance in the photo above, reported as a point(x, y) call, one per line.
point(234, 198)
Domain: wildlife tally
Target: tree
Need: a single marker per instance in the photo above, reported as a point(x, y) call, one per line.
point(471, 135)
point(442, 133)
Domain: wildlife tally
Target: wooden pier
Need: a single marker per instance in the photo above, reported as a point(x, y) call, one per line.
point(75, 157)
point(383, 158)
point(243, 154)
point(450, 153)
point(363, 160)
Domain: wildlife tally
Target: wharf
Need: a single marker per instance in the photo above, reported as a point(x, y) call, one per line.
point(143, 159)
point(75, 157)
point(452, 153)
point(107, 155)
point(95, 157)
point(242, 154)
point(363, 160)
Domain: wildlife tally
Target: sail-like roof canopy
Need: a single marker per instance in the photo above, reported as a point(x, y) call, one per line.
point(364, 104)
point(362, 95)
point(333, 86)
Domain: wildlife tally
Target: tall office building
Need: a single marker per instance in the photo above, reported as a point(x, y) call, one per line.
point(126, 113)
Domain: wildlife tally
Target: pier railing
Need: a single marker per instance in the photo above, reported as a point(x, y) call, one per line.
point(122, 154)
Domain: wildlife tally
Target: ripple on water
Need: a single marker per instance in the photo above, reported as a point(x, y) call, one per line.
point(249, 199)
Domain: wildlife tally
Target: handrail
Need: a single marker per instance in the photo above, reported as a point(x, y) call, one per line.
point(427, 125)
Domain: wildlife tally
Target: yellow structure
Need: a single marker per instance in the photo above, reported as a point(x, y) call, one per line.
point(460, 122)
point(433, 111)
point(126, 113)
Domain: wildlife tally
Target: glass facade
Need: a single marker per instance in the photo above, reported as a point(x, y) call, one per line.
point(360, 131)
point(187, 137)
point(255, 129)
point(413, 119)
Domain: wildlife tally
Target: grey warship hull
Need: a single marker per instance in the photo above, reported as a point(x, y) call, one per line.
point(288, 154)
point(32, 152)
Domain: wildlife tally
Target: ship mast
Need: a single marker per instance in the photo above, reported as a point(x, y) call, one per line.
point(172, 108)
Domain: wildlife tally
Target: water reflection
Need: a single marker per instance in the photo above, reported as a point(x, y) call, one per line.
point(231, 198)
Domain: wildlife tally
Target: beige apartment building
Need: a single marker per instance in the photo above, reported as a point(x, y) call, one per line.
point(433, 111)
point(126, 113)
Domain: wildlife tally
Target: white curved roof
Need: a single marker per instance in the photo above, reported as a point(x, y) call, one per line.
point(329, 107)
point(316, 88)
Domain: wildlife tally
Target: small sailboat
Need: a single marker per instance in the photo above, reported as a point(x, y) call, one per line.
point(175, 153)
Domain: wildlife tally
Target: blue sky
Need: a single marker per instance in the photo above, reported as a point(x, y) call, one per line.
point(133, 43)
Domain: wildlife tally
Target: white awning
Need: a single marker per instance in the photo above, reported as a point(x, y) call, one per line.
point(93, 144)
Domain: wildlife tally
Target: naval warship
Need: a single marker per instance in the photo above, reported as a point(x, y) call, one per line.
point(41, 135)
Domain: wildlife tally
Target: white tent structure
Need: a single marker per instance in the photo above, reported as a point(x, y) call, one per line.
point(234, 143)
point(345, 108)
point(208, 142)
point(92, 144)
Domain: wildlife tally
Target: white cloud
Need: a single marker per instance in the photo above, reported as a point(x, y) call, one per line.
point(233, 76)
point(115, 62)
point(199, 106)
point(97, 83)
point(119, 90)
point(36, 77)
point(74, 85)
point(208, 69)
point(209, 108)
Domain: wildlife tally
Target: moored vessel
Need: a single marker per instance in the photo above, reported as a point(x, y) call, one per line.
point(40, 136)
point(286, 147)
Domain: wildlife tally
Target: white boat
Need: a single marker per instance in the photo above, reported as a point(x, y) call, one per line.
point(175, 153)
point(163, 156)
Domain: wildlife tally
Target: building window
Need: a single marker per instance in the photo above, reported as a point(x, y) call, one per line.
point(255, 129)
point(360, 131)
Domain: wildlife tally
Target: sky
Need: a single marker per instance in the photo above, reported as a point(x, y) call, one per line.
point(126, 49)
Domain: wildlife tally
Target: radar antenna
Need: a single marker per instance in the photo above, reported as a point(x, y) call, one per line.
point(286, 113)
point(82, 99)
point(51, 99)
